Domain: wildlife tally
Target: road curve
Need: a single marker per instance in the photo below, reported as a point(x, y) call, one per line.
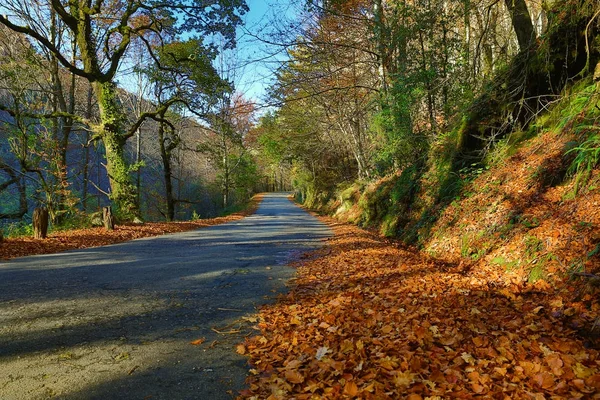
point(117, 322)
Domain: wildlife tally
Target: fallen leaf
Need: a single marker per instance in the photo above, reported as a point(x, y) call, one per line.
point(294, 376)
point(321, 352)
point(351, 389)
point(240, 349)
point(468, 358)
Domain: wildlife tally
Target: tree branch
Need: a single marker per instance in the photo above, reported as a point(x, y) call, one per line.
point(52, 115)
point(48, 45)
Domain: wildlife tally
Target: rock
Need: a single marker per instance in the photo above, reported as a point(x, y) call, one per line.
point(96, 219)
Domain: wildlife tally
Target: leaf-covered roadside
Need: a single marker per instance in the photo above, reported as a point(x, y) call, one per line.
point(369, 320)
point(93, 237)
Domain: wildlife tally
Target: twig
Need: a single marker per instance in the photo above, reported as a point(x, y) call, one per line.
point(227, 309)
point(231, 332)
point(586, 275)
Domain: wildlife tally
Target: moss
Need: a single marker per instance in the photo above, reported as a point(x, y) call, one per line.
point(123, 192)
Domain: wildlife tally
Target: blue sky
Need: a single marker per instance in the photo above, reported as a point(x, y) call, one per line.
point(256, 59)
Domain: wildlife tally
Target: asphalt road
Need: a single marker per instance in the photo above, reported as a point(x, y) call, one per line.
point(117, 322)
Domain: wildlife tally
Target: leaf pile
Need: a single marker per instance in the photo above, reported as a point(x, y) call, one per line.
point(367, 319)
point(93, 237)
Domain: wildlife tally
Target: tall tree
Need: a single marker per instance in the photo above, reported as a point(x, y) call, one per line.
point(521, 21)
point(184, 78)
point(103, 32)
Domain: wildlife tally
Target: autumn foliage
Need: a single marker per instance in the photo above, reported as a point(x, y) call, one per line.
point(369, 319)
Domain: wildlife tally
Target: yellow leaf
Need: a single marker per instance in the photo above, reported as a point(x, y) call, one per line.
point(582, 372)
point(387, 329)
point(468, 358)
point(240, 349)
point(403, 379)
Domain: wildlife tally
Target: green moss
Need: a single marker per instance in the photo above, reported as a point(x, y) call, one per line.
point(123, 192)
point(507, 265)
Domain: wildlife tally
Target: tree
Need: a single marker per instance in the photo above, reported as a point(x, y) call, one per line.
point(102, 33)
point(521, 21)
point(186, 78)
point(225, 145)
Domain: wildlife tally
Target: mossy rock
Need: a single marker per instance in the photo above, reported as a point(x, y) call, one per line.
point(96, 219)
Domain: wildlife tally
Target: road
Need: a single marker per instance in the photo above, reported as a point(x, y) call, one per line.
point(117, 322)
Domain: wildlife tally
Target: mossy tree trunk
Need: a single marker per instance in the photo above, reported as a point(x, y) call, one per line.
point(112, 119)
point(108, 219)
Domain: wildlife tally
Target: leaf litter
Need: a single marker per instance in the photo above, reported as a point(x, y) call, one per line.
point(369, 319)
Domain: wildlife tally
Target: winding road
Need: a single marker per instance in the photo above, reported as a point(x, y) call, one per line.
point(118, 322)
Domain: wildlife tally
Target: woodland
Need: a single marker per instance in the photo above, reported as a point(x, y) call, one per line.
point(170, 145)
point(461, 137)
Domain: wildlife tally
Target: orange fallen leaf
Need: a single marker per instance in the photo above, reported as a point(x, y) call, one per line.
point(198, 341)
point(386, 329)
point(351, 389)
point(240, 349)
point(544, 380)
point(294, 376)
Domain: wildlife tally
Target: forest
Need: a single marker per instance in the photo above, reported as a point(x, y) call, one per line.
point(105, 104)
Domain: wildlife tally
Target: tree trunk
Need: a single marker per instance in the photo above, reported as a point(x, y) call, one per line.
point(108, 218)
point(40, 223)
point(382, 43)
point(225, 160)
point(138, 159)
point(86, 155)
point(521, 21)
point(165, 154)
point(123, 193)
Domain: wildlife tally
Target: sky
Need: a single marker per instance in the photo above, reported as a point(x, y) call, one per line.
point(256, 59)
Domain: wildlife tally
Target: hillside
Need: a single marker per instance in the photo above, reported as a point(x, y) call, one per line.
point(532, 211)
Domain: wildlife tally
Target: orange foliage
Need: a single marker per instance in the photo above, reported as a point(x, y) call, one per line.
point(368, 319)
